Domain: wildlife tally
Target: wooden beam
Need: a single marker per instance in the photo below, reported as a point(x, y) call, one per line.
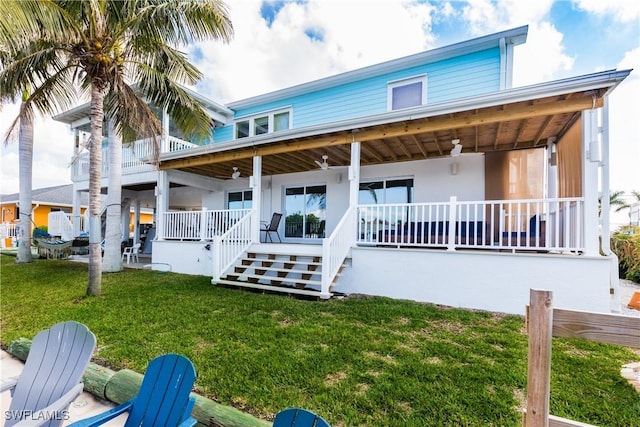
point(371, 152)
point(541, 130)
point(416, 141)
point(403, 147)
point(599, 327)
point(523, 124)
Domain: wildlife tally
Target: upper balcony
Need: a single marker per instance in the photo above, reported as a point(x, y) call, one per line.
point(136, 157)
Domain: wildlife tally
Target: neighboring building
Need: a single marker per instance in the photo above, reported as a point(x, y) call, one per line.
point(57, 200)
point(427, 178)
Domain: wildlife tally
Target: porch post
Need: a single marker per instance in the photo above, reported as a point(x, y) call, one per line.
point(354, 174)
point(162, 203)
point(256, 189)
point(75, 210)
point(552, 169)
point(125, 218)
point(590, 162)
point(164, 144)
point(136, 222)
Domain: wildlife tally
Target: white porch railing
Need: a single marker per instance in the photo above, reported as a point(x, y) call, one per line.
point(59, 224)
point(228, 246)
point(335, 249)
point(135, 156)
point(538, 224)
point(199, 225)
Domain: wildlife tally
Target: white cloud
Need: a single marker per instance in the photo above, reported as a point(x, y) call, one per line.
point(52, 151)
point(353, 34)
point(621, 10)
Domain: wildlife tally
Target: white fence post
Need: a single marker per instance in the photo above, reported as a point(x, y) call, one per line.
point(451, 235)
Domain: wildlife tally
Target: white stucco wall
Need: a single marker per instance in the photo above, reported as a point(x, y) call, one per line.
point(182, 257)
point(493, 281)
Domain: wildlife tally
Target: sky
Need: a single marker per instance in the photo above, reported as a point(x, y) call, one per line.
point(278, 44)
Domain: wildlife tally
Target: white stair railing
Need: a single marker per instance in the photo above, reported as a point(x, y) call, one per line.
point(59, 225)
point(230, 245)
point(335, 249)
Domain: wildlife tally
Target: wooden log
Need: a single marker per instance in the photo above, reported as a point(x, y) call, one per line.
point(539, 327)
point(20, 348)
point(210, 413)
point(118, 387)
point(125, 384)
point(95, 380)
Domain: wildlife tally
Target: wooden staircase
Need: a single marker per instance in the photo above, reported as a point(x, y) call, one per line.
point(291, 269)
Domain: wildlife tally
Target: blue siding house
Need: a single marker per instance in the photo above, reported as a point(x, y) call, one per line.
point(428, 177)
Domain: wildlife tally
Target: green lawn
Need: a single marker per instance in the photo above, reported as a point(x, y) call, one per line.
point(356, 361)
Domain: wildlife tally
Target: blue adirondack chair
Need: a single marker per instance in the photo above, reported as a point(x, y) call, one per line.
point(163, 398)
point(50, 379)
point(298, 417)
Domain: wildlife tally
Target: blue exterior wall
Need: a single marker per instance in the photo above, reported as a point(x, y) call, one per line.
point(469, 75)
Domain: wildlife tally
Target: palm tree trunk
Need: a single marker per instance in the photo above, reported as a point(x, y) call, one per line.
point(112, 261)
point(25, 165)
point(95, 176)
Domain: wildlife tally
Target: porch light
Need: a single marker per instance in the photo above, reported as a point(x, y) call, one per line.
point(236, 173)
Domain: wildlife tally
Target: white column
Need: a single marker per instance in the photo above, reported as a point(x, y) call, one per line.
point(125, 219)
point(590, 163)
point(162, 203)
point(354, 174)
point(256, 189)
point(136, 222)
point(552, 169)
point(76, 212)
point(164, 145)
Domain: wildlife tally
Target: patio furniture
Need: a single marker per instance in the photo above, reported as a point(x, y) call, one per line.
point(51, 376)
point(163, 398)
point(131, 252)
point(272, 227)
point(298, 417)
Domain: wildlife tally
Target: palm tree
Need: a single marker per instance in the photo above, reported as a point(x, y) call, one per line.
point(101, 46)
point(23, 124)
point(614, 200)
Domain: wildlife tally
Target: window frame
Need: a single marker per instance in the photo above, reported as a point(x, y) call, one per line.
point(269, 115)
point(243, 192)
point(406, 82)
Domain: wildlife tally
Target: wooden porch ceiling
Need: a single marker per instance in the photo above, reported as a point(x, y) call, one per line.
point(503, 127)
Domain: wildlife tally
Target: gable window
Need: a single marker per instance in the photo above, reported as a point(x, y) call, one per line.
point(407, 93)
point(263, 123)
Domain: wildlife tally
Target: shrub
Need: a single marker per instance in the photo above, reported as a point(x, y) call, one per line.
point(626, 245)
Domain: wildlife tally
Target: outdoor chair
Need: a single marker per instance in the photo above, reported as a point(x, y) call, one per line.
point(51, 376)
point(131, 253)
point(298, 417)
point(163, 398)
point(272, 227)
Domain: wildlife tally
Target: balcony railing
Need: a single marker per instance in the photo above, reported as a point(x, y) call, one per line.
point(199, 225)
point(135, 157)
point(539, 224)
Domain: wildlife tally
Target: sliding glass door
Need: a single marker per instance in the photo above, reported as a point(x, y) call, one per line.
point(305, 212)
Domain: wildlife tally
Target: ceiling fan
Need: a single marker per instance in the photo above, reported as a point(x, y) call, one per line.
point(457, 148)
point(324, 165)
point(236, 173)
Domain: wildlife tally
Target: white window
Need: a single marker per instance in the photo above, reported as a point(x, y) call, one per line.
point(407, 93)
point(263, 123)
point(240, 200)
